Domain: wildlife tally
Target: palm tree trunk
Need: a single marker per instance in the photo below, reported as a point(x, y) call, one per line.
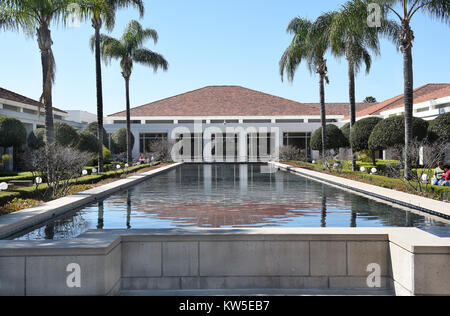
point(98, 67)
point(45, 45)
point(351, 90)
point(409, 101)
point(129, 149)
point(323, 114)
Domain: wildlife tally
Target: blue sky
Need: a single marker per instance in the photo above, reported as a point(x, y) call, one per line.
point(211, 42)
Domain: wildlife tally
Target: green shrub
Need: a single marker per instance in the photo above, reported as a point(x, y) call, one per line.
point(93, 129)
point(119, 139)
point(65, 135)
point(36, 139)
point(87, 142)
point(346, 131)
point(390, 132)
point(12, 132)
point(361, 131)
point(439, 128)
point(106, 154)
point(335, 139)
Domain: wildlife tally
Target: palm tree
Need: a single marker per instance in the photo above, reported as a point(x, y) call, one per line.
point(310, 43)
point(129, 49)
point(37, 15)
point(98, 11)
point(439, 9)
point(352, 38)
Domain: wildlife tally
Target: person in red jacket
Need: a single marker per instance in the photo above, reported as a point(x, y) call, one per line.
point(445, 181)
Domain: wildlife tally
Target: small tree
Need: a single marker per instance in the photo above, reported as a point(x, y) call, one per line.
point(36, 139)
point(93, 129)
point(119, 139)
point(87, 142)
point(360, 134)
point(335, 139)
point(439, 129)
point(12, 134)
point(346, 131)
point(66, 135)
point(66, 164)
point(388, 132)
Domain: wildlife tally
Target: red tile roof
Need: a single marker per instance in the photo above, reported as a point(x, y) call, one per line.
point(232, 101)
point(425, 93)
point(12, 96)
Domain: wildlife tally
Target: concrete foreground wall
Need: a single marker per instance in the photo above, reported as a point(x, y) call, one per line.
point(410, 261)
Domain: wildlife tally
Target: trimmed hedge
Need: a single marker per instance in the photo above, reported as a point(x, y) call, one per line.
point(65, 135)
point(36, 139)
point(93, 129)
point(119, 139)
point(30, 192)
point(346, 131)
point(361, 131)
point(440, 192)
point(335, 139)
point(87, 142)
point(391, 132)
point(439, 128)
point(12, 132)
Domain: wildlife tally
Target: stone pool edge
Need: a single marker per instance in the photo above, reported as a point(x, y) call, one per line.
point(412, 262)
point(18, 221)
point(426, 205)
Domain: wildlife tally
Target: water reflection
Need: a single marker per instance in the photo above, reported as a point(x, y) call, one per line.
point(232, 196)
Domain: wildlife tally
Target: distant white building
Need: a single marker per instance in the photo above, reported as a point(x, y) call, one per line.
point(82, 117)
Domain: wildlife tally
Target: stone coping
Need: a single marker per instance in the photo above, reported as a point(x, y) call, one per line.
point(18, 221)
point(95, 242)
point(420, 203)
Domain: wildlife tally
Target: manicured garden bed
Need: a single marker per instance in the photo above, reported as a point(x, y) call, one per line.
point(435, 192)
point(21, 198)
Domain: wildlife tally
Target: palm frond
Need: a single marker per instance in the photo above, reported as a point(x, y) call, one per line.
point(149, 58)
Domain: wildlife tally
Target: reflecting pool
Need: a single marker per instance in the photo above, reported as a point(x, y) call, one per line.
point(228, 195)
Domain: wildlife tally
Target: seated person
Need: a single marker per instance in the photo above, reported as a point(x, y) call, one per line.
point(438, 174)
point(446, 178)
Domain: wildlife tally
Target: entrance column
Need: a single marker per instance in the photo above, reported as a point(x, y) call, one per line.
point(243, 150)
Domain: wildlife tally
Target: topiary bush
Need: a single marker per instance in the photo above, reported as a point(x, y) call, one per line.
point(346, 131)
point(87, 142)
point(93, 129)
point(439, 128)
point(65, 135)
point(36, 139)
point(361, 131)
point(12, 132)
point(119, 139)
point(390, 132)
point(335, 139)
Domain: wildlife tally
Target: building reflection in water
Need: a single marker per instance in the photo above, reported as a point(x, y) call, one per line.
point(229, 196)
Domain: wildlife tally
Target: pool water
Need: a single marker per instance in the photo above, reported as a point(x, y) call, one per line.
point(228, 195)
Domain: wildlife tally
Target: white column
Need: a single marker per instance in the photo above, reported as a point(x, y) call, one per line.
point(242, 154)
point(207, 146)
